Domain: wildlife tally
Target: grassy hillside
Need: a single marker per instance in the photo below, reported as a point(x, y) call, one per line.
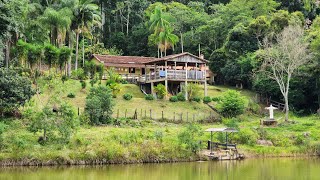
point(149, 140)
point(185, 110)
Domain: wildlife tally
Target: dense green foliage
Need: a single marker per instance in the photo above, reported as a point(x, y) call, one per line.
point(64, 121)
point(127, 96)
point(231, 104)
point(15, 91)
point(99, 105)
point(230, 33)
point(161, 91)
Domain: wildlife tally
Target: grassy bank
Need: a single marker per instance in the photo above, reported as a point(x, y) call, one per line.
point(146, 140)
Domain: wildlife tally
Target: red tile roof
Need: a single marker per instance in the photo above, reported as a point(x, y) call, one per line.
point(135, 61)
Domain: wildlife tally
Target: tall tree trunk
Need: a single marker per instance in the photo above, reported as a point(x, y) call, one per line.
point(181, 42)
point(70, 58)
point(77, 48)
point(7, 52)
point(128, 19)
point(286, 101)
point(82, 51)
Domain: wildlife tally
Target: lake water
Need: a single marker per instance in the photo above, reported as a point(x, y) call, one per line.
point(255, 169)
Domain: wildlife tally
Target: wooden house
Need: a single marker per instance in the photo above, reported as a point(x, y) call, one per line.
point(174, 71)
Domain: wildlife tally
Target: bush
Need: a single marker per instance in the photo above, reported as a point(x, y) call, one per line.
point(173, 99)
point(124, 81)
point(115, 88)
point(161, 91)
point(64, 78)
point(190, 137)
point(71, 95)
point(246, 136)
point(15, 90)
point(93, 81)
point(232, 104)
point(196, 99)
point(193, 90)
point(207, 99)
point(149, 97)
point(181, 96)
point(99, 104)
point(127, 96)
point(83, 84)
point(79, 74)
point(216, 99)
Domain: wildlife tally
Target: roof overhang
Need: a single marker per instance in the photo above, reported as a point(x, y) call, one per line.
point(224, 129)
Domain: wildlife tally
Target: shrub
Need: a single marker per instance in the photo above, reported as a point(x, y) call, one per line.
point(232, 104)
point(64, 78)
point(71, 95)
point(115, 88)
point(173, 99)
point(65, 123)
point(93, 81)
point(15, 90)
point(79, 74)
point(181, 96)
point(149, 97)
point(83, 84)
point(196, 99)
point(161, 91)
point(216, 99)
point(190, 137)
point(193, 90)
point(99, 104)
point(127, 96)
point(207, 99)
point(124, 81)
point(246, 136)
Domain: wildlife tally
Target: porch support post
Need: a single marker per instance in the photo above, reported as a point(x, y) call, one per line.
point(186, 81)
point(145, 73)
point(155, 71)
point(196, 71)
point(166, 79)
point(152, 89)
point(205, 80)
point(175, 70)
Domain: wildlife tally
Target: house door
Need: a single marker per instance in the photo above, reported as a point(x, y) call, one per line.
point(143, 71)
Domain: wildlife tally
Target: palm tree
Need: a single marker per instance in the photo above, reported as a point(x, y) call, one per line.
point(160, 23)
point(86, 16)
point(167, 40)
point(64, 56)
point(58, 22)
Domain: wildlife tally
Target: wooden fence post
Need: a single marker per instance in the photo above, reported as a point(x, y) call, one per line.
point(150, 114)
point(181, 117)
point(118, 114)
point(162, 116)
point(135, 116)
point(125, 114)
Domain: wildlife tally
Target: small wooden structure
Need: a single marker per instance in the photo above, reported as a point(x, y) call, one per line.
point(223, 151)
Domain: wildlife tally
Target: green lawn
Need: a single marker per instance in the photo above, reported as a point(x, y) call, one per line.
point(171, 111)
point(151, 141)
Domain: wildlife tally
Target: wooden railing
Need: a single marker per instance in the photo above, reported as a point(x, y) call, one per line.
point(177, 75)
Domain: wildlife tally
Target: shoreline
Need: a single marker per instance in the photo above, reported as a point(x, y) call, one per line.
point(63, 162)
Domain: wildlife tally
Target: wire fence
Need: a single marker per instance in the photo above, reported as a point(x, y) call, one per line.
point(165, 116)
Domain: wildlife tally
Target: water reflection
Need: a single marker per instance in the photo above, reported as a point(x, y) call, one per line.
point(262, 169)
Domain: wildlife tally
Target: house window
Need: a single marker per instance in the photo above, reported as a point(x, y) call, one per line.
point(132, 70)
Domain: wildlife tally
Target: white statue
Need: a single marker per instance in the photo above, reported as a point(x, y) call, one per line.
point(271, 108)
